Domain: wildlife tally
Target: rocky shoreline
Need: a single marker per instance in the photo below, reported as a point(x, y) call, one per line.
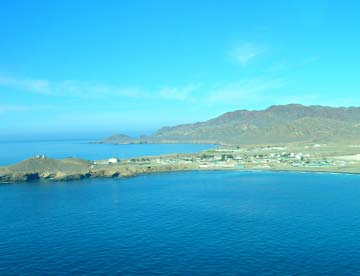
point(36, 169)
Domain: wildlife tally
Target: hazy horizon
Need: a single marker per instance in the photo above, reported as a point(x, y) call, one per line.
point(90, 135)
point(135, 66)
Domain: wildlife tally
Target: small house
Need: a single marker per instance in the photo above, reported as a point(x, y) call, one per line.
point(113, 160)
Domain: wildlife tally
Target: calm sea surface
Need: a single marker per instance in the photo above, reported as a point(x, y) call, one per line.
point(183, 223)
point(12, 152)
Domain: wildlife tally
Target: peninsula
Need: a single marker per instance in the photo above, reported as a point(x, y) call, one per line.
point(286, 137)
point(330, 157)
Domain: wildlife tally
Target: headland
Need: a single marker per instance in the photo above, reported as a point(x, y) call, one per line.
point(307, 157)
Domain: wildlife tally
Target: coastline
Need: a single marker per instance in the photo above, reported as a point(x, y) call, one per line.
point(126, 172)
point(305, 158)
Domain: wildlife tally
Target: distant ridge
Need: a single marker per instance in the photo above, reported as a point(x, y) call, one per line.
point(276, 124)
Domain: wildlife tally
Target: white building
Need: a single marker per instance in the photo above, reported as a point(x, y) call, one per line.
point(113, 160)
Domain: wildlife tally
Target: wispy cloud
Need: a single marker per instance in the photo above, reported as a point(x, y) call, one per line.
point(6, 108)
point(31, 85)
point(246, 52)
point(245, 90)
point(67, 88)
point(179, 93)
point(79, 89)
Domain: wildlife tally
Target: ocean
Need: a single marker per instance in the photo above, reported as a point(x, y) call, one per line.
point(12, 152)
point(183, 223)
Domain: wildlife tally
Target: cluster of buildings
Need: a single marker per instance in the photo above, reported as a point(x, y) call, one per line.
point(251, 157)
point(225, 159)
point(109, 161)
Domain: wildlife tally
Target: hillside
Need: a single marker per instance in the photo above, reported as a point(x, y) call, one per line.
point(49, 164)
point(37, 168)
point(276, 124)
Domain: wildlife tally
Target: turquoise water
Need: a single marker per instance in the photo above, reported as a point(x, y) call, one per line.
point(183, 223)
point(12, 152)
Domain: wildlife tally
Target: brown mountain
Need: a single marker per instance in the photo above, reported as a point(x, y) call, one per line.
point(276, 124)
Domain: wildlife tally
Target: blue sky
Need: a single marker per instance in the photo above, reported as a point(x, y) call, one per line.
point(82, 67)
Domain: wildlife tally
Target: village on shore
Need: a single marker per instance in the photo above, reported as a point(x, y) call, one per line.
point(262, 157)
point(337, 158)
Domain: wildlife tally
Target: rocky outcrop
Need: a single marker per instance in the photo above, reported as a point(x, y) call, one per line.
point(35, 169)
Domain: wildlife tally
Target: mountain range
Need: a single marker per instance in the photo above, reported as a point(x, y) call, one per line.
point(276, 124)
